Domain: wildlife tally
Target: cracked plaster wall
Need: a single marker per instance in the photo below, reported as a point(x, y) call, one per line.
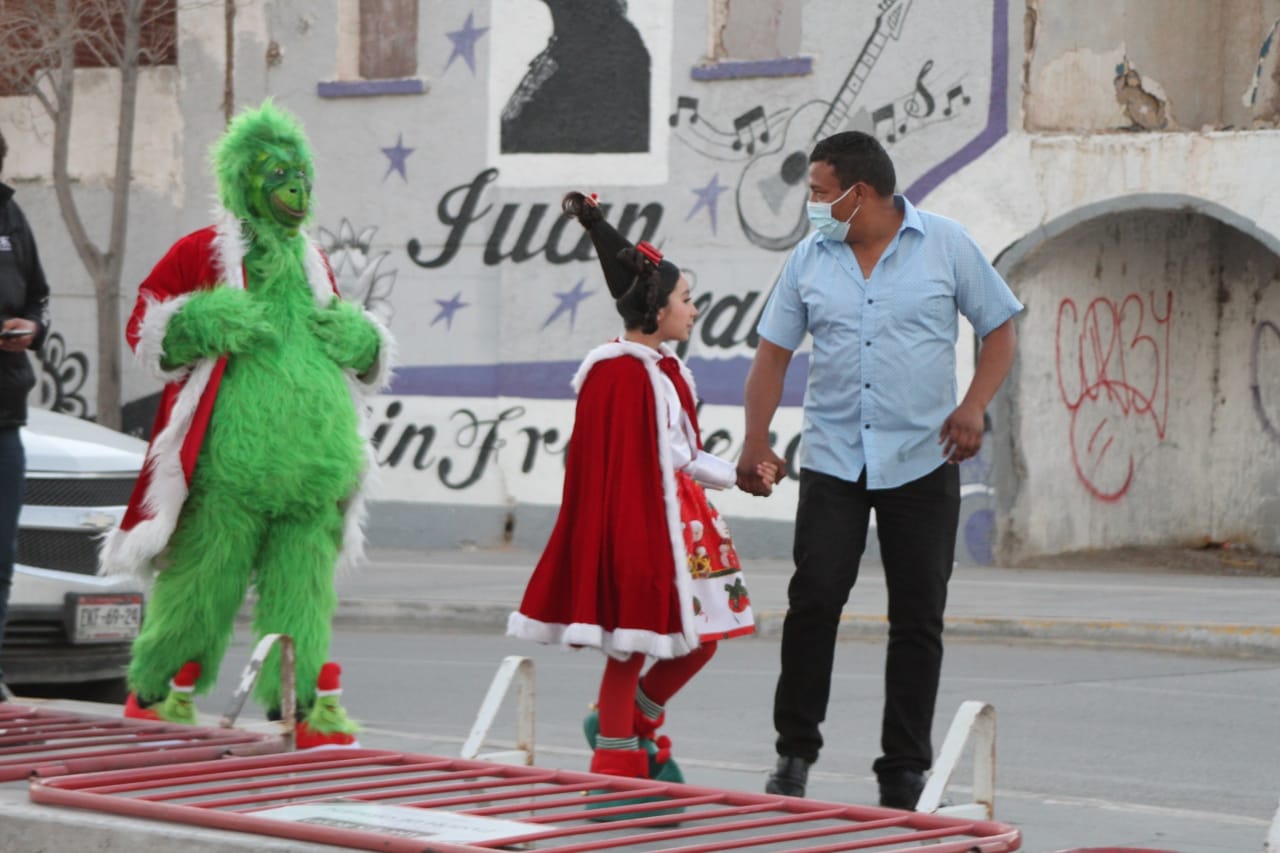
point(1096, 65)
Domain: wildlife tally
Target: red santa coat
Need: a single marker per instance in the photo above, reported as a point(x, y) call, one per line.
point(614, 573)
point(210, 257)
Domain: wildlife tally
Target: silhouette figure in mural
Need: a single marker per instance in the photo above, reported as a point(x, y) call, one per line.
point(588, 91)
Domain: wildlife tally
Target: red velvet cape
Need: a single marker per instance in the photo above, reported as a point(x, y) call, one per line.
point(609, 575)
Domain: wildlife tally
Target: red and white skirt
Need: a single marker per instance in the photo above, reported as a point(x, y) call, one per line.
point(721, 604)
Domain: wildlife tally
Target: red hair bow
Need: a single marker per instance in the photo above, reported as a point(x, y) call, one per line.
point(650, 251)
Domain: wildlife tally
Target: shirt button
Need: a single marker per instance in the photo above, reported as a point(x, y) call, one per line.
point(869, 301)
point(868, 343)
point(868, 385)
point(866, 426)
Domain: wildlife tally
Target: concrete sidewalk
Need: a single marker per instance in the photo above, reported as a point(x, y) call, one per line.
point(476, 589)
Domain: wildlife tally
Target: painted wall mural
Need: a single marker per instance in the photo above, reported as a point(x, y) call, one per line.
point(60, 377)
point(1112, 361)
point(572, 79)
point(569, 78)
point(773, 143)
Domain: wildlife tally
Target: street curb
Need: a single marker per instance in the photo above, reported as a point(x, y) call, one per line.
point(1203, 638)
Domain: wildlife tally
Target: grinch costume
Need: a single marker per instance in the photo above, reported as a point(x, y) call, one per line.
point(256, 470)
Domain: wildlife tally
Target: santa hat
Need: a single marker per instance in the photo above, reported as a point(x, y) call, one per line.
point(609, 243)
point(185, 680)
point(328, 683)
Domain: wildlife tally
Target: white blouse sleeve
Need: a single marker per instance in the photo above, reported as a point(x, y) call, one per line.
point(711, 471)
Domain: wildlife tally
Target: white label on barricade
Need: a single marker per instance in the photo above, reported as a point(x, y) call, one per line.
point(400, 821)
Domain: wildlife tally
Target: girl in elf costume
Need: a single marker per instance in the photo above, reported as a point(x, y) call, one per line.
point(256, 468)
point(639, 563)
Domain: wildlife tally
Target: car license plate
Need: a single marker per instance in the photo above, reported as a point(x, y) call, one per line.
point(110, 618)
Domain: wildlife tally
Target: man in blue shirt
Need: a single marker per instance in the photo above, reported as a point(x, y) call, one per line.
point(878, 284)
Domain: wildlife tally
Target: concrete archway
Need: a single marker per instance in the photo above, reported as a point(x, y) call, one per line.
point(1144, 405)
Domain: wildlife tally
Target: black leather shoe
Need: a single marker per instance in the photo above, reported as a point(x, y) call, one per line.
point(901, 789)
point(789, 777)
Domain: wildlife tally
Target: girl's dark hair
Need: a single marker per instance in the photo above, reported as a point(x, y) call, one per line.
point(575, 205)
point(649, 292)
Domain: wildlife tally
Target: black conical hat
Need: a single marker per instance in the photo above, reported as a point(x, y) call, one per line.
point(609, 243)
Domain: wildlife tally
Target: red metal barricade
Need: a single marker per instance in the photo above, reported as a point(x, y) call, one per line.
point(59, 741)
point(385, 800)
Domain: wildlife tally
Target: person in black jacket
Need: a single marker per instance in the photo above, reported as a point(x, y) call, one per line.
point(24, 302)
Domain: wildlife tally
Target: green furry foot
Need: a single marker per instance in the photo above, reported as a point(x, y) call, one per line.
point(177, 707)
point(327, 716)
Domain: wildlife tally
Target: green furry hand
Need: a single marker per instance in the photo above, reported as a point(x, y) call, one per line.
point(219, 321)
point(346, 335)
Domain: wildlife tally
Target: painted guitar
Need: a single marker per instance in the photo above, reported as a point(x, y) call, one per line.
point(775, 183)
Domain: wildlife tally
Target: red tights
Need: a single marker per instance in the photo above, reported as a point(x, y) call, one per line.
point(660, 683)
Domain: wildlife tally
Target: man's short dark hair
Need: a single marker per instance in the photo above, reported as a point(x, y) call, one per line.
point(857, 157)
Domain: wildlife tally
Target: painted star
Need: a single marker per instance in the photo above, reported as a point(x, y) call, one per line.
point(708, 197)
point(397, 155)
point(569, 300)
point(449, 307)
point(464, 43)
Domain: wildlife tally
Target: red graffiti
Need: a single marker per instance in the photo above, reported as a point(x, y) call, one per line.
point(1113, 374)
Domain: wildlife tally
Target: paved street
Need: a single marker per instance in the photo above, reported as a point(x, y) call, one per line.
point(1095, 746)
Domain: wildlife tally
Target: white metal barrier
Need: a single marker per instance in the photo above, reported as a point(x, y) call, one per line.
point(976, 720)
point(1272, 844)
point(288, 685)
point(518, 670)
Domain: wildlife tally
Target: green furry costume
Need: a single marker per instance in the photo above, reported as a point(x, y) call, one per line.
point(256, 465)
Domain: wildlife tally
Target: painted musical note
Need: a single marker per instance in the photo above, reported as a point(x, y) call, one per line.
point(745, 124)
point(952, 94)
point(882, 115)
point(920, 105)
point(684, 102)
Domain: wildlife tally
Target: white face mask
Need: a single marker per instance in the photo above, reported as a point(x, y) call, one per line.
point(821, 218)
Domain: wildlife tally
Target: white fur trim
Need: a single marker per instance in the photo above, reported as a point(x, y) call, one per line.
point(378, 376)
point(670, 497)
point(618, 644)
point(318, 275)
point(132, 551)
point(229, 248)
point(149, 353)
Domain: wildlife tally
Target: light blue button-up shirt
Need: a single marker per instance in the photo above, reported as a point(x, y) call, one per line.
point(882, 377)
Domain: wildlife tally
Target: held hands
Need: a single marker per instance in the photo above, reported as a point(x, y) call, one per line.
point(215, 322)
point(346, 335)
point(16, 334)
point(759, 468)
point(961, 436)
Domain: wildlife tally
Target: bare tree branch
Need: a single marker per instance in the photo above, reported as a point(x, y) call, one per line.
point(42, 43)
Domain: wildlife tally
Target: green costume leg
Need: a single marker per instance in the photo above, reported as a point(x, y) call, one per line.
point(296, 597)
point(190, 614)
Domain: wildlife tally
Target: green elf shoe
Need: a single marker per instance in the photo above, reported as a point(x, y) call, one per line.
point(662, 767)
point(327, 723)
point(180, 706)
point(630, 764)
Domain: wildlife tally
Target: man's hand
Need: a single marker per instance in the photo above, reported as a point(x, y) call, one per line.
point(10, 341)
point(759, 468)
point(961, 436)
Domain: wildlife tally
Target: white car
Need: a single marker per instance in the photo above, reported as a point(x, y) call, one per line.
point(67, 623)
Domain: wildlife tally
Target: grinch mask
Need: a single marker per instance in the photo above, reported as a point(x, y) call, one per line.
point(263, 165)
point(282, 190)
